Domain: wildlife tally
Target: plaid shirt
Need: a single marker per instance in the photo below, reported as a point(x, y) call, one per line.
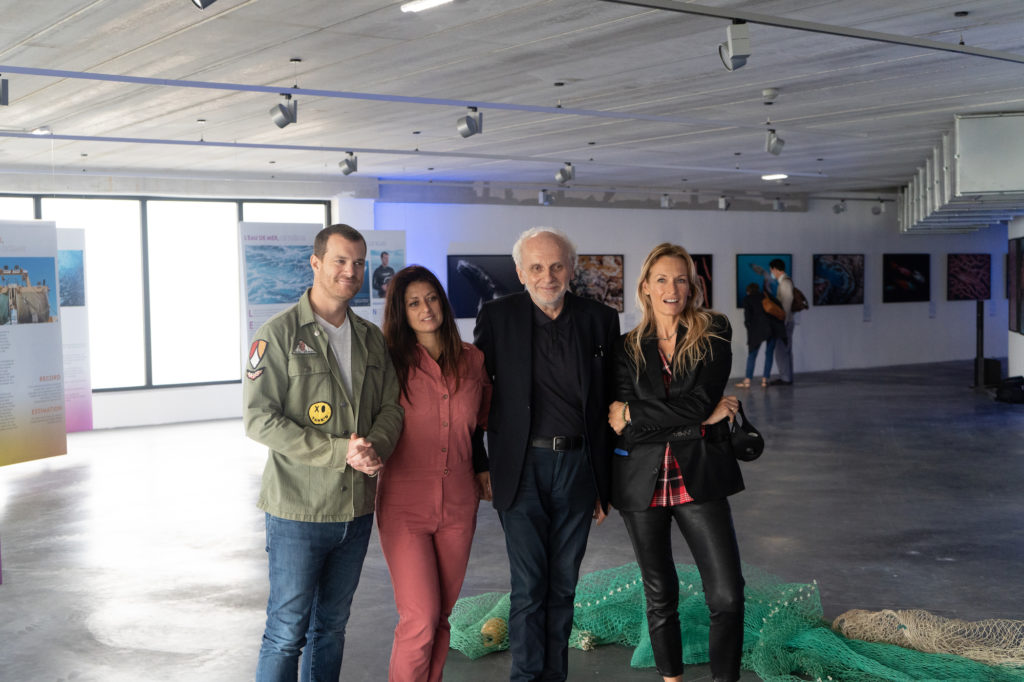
point(670, 489)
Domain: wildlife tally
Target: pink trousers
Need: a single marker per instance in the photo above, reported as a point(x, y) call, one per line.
point(426, 547)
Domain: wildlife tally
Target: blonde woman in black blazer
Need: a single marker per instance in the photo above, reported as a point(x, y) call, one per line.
point(670, 373)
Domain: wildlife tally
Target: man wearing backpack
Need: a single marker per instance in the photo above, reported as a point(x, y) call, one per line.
point(784, 349)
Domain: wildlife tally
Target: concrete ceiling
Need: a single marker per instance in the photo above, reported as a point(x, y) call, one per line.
point(643, 102)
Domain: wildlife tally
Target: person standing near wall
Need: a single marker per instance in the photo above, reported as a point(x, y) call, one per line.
point(321, 393)
point(548, 354)
point(784, 349)
point(431, 488)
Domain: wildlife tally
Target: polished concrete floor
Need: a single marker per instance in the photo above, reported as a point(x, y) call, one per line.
point(139, 556)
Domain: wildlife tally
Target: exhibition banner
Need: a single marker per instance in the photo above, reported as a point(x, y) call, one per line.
point(74, 330)
point(276, 270)
point(31, 373)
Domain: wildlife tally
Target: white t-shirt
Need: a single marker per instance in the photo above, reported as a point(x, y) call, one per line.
point(340, 341)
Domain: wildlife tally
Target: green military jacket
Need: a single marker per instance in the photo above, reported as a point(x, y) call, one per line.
point(296, 405)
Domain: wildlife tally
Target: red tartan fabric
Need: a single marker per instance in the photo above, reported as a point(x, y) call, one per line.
point(670, 489)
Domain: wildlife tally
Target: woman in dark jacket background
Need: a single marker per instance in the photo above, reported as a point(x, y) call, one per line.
point(670, 373)
point(761, 328)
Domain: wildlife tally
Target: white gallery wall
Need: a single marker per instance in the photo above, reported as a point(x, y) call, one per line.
point(834, 337)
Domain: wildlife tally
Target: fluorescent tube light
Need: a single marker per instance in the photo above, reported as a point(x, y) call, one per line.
point(774, 176)
point(420, 5)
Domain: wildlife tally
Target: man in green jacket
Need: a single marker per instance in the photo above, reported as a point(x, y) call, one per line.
point(322, 395)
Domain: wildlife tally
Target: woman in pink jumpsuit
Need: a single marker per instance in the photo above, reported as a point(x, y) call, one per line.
point(431, 486)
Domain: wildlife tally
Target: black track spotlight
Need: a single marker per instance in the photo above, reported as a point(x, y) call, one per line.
point(350, 164)
point(470, 124)
point(773, 144)
point(286, 112)
point(840, 207)
point(736, 48)
point(203, 4)
point(565, 173)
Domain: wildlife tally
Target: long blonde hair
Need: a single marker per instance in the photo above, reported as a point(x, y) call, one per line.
point(695, 345)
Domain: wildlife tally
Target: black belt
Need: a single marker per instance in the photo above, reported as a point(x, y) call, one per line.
point(558, 443)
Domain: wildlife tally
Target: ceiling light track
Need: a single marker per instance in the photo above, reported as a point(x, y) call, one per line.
point(402, 99)
point(815, 27)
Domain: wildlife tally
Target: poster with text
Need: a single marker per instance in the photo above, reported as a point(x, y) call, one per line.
point(31, 365)
point(275, 269)
point(74, 330)
point(385, 255)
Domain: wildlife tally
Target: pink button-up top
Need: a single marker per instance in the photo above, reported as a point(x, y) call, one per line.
point(430, 473)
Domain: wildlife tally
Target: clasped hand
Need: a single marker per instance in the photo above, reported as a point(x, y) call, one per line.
point(362, 457)
point(727, 407)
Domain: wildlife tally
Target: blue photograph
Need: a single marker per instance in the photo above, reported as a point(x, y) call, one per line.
point(752, 268)
point(384, 264)
point(838, 278)
point(31, 288)
point(277, 274)
point(71, 265)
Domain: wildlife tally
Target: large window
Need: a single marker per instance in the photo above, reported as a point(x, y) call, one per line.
point(194, 309)
point(162, 281)
point(113, 285)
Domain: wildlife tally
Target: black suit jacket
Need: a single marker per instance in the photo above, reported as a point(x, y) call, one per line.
point(504, 332)
point(709, 472)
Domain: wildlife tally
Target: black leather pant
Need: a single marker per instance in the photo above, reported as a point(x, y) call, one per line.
point(708, 530)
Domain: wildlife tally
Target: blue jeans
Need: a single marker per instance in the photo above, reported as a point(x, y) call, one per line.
point(769, 350)
point(546, 530)
point(314, 571)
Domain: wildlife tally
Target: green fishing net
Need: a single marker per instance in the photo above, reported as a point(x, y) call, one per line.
point(785, 635)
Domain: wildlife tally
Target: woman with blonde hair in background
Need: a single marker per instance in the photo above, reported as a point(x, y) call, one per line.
point(670, 373)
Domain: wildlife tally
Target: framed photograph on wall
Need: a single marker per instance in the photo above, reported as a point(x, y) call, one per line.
point(906, 277)
point(1014, 282)
point(968, 276)
point(599, 278)
point(838, 278)
point(752, 268)
point(474, 280)
point(702, 262)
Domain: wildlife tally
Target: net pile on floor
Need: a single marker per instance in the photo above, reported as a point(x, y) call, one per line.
point(785, 635)
point(996, 641)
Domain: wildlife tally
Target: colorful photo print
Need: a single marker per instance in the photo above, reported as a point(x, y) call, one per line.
point(71, 265)
point(277, 274)
point(838, 278)
point(906, 277)
point(968, 277)
point(599, 278)
point(702, 262)
point(474, 280)
point(752, 268)
point(384, 265)
point(28, 290)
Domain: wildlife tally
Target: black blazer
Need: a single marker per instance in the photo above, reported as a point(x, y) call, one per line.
point(504, 332)
point(707, 472)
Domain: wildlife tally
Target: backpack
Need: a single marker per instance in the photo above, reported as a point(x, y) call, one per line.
point(799, 301)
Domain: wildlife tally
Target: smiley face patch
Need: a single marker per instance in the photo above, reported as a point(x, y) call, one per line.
point(319, 413)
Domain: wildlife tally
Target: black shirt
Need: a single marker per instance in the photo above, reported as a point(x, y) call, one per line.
point(557, 404)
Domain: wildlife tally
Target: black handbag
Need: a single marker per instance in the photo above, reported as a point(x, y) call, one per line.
point(745, 439)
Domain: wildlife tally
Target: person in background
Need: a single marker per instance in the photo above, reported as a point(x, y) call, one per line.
point(761, 328)
point(548, 354)
point(670, 374)
point(322, 395)
point(429, 491)
point(382, 275)
point(784, 350)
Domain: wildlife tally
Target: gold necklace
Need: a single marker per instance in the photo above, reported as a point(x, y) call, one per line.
point(669, 337)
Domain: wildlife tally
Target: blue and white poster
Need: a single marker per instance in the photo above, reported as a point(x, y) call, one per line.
point(74, 330)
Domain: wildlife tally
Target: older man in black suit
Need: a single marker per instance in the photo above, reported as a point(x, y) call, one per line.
point(549, 355)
